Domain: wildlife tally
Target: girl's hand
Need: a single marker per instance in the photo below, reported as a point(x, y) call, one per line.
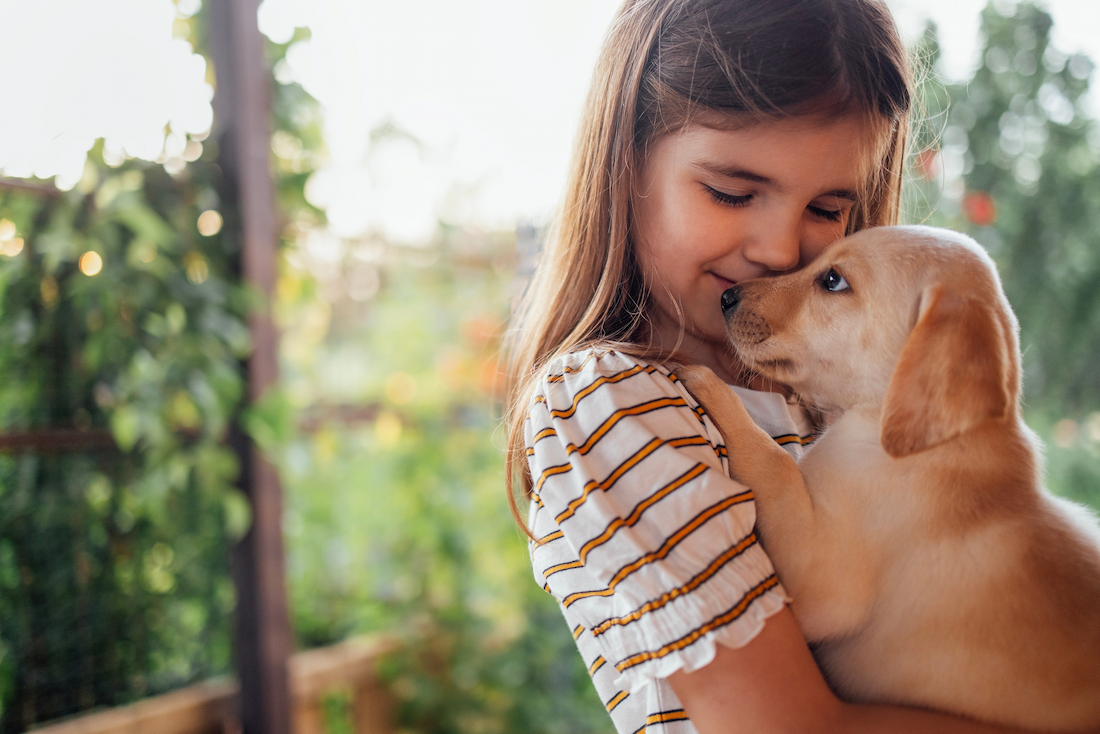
point(772, 685)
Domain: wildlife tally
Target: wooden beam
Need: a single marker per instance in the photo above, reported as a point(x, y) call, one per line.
point(241, 108)
point(212, 707)
point(57, 440)
point(206, 708)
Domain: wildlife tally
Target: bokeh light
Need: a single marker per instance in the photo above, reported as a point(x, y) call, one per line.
point(210, 223)
point(197, 268)
point(11, 247)
point(90, 263)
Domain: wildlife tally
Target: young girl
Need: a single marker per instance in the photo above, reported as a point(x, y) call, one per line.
point(722, 140)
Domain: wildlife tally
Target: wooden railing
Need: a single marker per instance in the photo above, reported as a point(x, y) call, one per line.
point(211, 707)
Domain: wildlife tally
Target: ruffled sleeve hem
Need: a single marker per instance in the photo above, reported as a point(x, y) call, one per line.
point(699, 654)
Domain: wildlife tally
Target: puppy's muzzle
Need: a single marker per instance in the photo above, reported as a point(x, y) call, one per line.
point(745, 327)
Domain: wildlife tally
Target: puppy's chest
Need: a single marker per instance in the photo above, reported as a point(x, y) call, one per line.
point(852, 481)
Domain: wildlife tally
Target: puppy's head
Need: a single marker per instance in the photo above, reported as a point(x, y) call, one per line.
point(911, 320)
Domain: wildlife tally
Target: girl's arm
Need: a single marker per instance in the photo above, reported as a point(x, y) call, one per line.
point(772, 685)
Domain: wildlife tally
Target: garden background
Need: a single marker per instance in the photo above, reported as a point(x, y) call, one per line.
point(122, 320)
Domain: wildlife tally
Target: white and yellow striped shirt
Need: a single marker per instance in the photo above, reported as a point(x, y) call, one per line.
point(644, 540)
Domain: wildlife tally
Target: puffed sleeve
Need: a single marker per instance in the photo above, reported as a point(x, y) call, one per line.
point(642, 535)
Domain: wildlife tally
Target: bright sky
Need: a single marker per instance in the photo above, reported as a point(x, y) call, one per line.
point(491, 88)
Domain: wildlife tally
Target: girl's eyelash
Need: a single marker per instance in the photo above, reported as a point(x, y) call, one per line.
point(734, 200)
point(832, 216)
point(728, 199)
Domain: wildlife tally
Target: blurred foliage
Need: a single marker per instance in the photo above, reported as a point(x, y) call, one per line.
point(395, 519)
point(1011, 157)
point(116, 317)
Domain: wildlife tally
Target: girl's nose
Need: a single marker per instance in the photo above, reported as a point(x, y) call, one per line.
point(777, 247)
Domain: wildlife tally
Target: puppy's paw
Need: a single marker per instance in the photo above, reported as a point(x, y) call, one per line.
point(717, 398)
point(721, 403)
point(702, 383)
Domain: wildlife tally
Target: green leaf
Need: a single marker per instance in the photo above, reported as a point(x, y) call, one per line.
point(238, 514)
point(270, 421)
point(125, 425)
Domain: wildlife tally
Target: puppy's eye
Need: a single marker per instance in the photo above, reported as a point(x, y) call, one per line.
point(834, 281)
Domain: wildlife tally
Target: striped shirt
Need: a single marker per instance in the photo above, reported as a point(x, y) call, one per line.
point(643, 539)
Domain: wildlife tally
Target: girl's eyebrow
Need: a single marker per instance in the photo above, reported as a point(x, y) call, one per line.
point(746, 175)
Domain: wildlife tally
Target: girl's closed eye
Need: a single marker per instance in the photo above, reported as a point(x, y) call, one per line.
point(831, 215)
point(722, 197)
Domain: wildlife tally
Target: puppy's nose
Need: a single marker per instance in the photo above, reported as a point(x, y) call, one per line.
point(730, 298)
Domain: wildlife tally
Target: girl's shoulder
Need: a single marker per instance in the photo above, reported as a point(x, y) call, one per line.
point(598, 380)
point(603, 361)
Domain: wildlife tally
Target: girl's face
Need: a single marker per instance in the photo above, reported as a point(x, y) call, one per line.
point(716, 207)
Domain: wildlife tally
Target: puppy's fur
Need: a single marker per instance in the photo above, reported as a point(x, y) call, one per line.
point(926, 563)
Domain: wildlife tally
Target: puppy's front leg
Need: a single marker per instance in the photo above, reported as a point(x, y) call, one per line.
point(756, 460)
point(816, 564)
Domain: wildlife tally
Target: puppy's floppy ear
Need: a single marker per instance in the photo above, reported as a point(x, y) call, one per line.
point(955, 373)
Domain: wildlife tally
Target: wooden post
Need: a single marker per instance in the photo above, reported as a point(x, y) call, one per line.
point(241, 108)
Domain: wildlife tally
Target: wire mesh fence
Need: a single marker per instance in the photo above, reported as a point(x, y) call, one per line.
point(103, 600)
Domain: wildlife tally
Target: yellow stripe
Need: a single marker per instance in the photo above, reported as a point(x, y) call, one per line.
point(664, 550)
point(617, 416)
point(592, 486)
point(562, 567)
point(792, 438)
point(688, 441)
point(572, 370)
point(720, 451)
point(546, 588)
point(551, 471)
point(666, 716)
point(577, 631)
point(640, 508)
point(547, 538)
point(690, 586)
point(543, 434)
point(619, 698)
point(596, 665)
point(719, 621)
point(530, 451)
point(596, 385)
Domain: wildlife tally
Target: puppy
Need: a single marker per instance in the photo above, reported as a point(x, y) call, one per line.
point(926, 562)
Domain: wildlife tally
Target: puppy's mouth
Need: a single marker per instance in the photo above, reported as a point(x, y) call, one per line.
point(748, 332)
point(780, 370)
point(747, 327)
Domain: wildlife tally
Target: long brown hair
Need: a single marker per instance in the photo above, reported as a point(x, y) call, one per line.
point(666, 63)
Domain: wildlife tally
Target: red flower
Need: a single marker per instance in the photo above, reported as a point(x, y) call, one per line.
point(980, 208)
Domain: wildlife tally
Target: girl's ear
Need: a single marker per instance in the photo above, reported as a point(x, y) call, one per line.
point(955, 373)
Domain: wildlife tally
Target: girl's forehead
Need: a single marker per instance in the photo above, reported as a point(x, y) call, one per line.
point(841, 148)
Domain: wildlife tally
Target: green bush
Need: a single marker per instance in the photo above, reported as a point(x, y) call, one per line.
point(113, 561)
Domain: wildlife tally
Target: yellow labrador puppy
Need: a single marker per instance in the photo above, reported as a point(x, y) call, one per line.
point(926, 562)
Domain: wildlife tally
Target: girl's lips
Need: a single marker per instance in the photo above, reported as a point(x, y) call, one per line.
point(723, 281)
